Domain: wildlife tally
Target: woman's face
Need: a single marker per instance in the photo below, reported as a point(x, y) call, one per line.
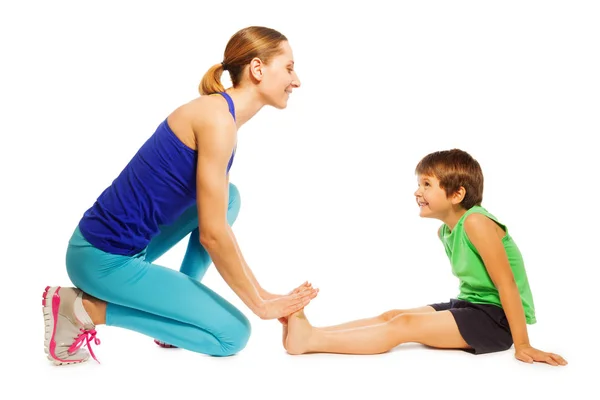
point(278, 78)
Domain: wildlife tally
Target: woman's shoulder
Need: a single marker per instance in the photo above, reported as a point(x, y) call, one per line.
point(210, 111)
point(202, 114)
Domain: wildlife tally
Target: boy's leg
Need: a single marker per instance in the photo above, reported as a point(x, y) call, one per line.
point(436, 329)
point(386, 316)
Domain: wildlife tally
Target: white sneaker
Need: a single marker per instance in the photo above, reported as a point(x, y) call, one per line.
point(68, 326)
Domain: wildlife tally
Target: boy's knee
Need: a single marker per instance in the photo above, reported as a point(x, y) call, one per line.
point(402, 320)
point(389, 315)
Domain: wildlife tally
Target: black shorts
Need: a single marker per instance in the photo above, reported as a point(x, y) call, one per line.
point(483, 326)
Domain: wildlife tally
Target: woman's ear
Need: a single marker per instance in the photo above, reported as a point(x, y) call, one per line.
point(256, 69)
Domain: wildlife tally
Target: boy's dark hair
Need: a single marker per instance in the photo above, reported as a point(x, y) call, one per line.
point(455, 168)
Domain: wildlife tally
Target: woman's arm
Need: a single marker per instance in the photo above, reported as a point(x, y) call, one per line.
point(261, 292)
point(215, 138)
point(215, 146)
point(264, 294)
point(484, 235)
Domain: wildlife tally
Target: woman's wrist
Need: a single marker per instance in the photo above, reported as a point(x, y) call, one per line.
point(266, 295)
point(260, 309)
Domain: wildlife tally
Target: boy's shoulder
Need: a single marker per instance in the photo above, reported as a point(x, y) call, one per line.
point(479, 220)
point(479, 214)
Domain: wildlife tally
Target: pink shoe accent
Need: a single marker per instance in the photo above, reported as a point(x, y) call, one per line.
point(85, 335)
point(44, 296)
point(55, 305)
point(164, 345)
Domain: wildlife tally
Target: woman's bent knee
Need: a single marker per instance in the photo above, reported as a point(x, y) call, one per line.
point(235, 337)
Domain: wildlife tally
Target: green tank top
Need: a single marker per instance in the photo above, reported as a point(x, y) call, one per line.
point(475, 284)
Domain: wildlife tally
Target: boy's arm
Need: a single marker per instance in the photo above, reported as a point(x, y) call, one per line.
point(482, 232)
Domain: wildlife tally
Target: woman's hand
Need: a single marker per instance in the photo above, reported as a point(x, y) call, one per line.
point(269, 296)
point(280, 306)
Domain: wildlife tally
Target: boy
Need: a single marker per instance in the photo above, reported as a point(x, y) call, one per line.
point(494, 305)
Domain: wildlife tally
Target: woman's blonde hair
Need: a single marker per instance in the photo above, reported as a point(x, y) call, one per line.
point(246, 44)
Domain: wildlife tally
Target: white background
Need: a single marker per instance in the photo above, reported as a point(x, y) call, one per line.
point(327, 184)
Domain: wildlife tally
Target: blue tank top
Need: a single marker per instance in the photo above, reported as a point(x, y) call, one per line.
point(154, 189)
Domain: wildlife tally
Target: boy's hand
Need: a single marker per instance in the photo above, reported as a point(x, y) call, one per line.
point(530, 354)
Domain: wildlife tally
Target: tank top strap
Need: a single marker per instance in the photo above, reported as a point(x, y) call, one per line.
point(230, 103)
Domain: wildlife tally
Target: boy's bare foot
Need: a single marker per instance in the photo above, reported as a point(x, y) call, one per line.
point(299, 332)
point(285, 334)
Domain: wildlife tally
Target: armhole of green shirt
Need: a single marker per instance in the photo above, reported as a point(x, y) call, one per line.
point(492, 218)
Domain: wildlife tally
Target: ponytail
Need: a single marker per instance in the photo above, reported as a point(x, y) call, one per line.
point(211, 81)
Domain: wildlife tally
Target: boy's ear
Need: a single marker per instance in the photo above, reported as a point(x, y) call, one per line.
point(458, 196)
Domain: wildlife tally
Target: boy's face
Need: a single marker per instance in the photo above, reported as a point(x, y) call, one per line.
point(431, 198)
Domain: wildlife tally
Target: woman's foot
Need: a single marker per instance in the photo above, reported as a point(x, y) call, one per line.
point(68, 326)
point(299, 333)
point(164, 345)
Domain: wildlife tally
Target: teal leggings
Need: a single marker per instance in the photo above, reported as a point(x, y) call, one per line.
point(168, 305)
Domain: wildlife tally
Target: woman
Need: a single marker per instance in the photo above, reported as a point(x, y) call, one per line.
point(177, 184)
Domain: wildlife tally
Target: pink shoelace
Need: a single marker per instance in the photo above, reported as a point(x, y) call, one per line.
point(85, 336)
